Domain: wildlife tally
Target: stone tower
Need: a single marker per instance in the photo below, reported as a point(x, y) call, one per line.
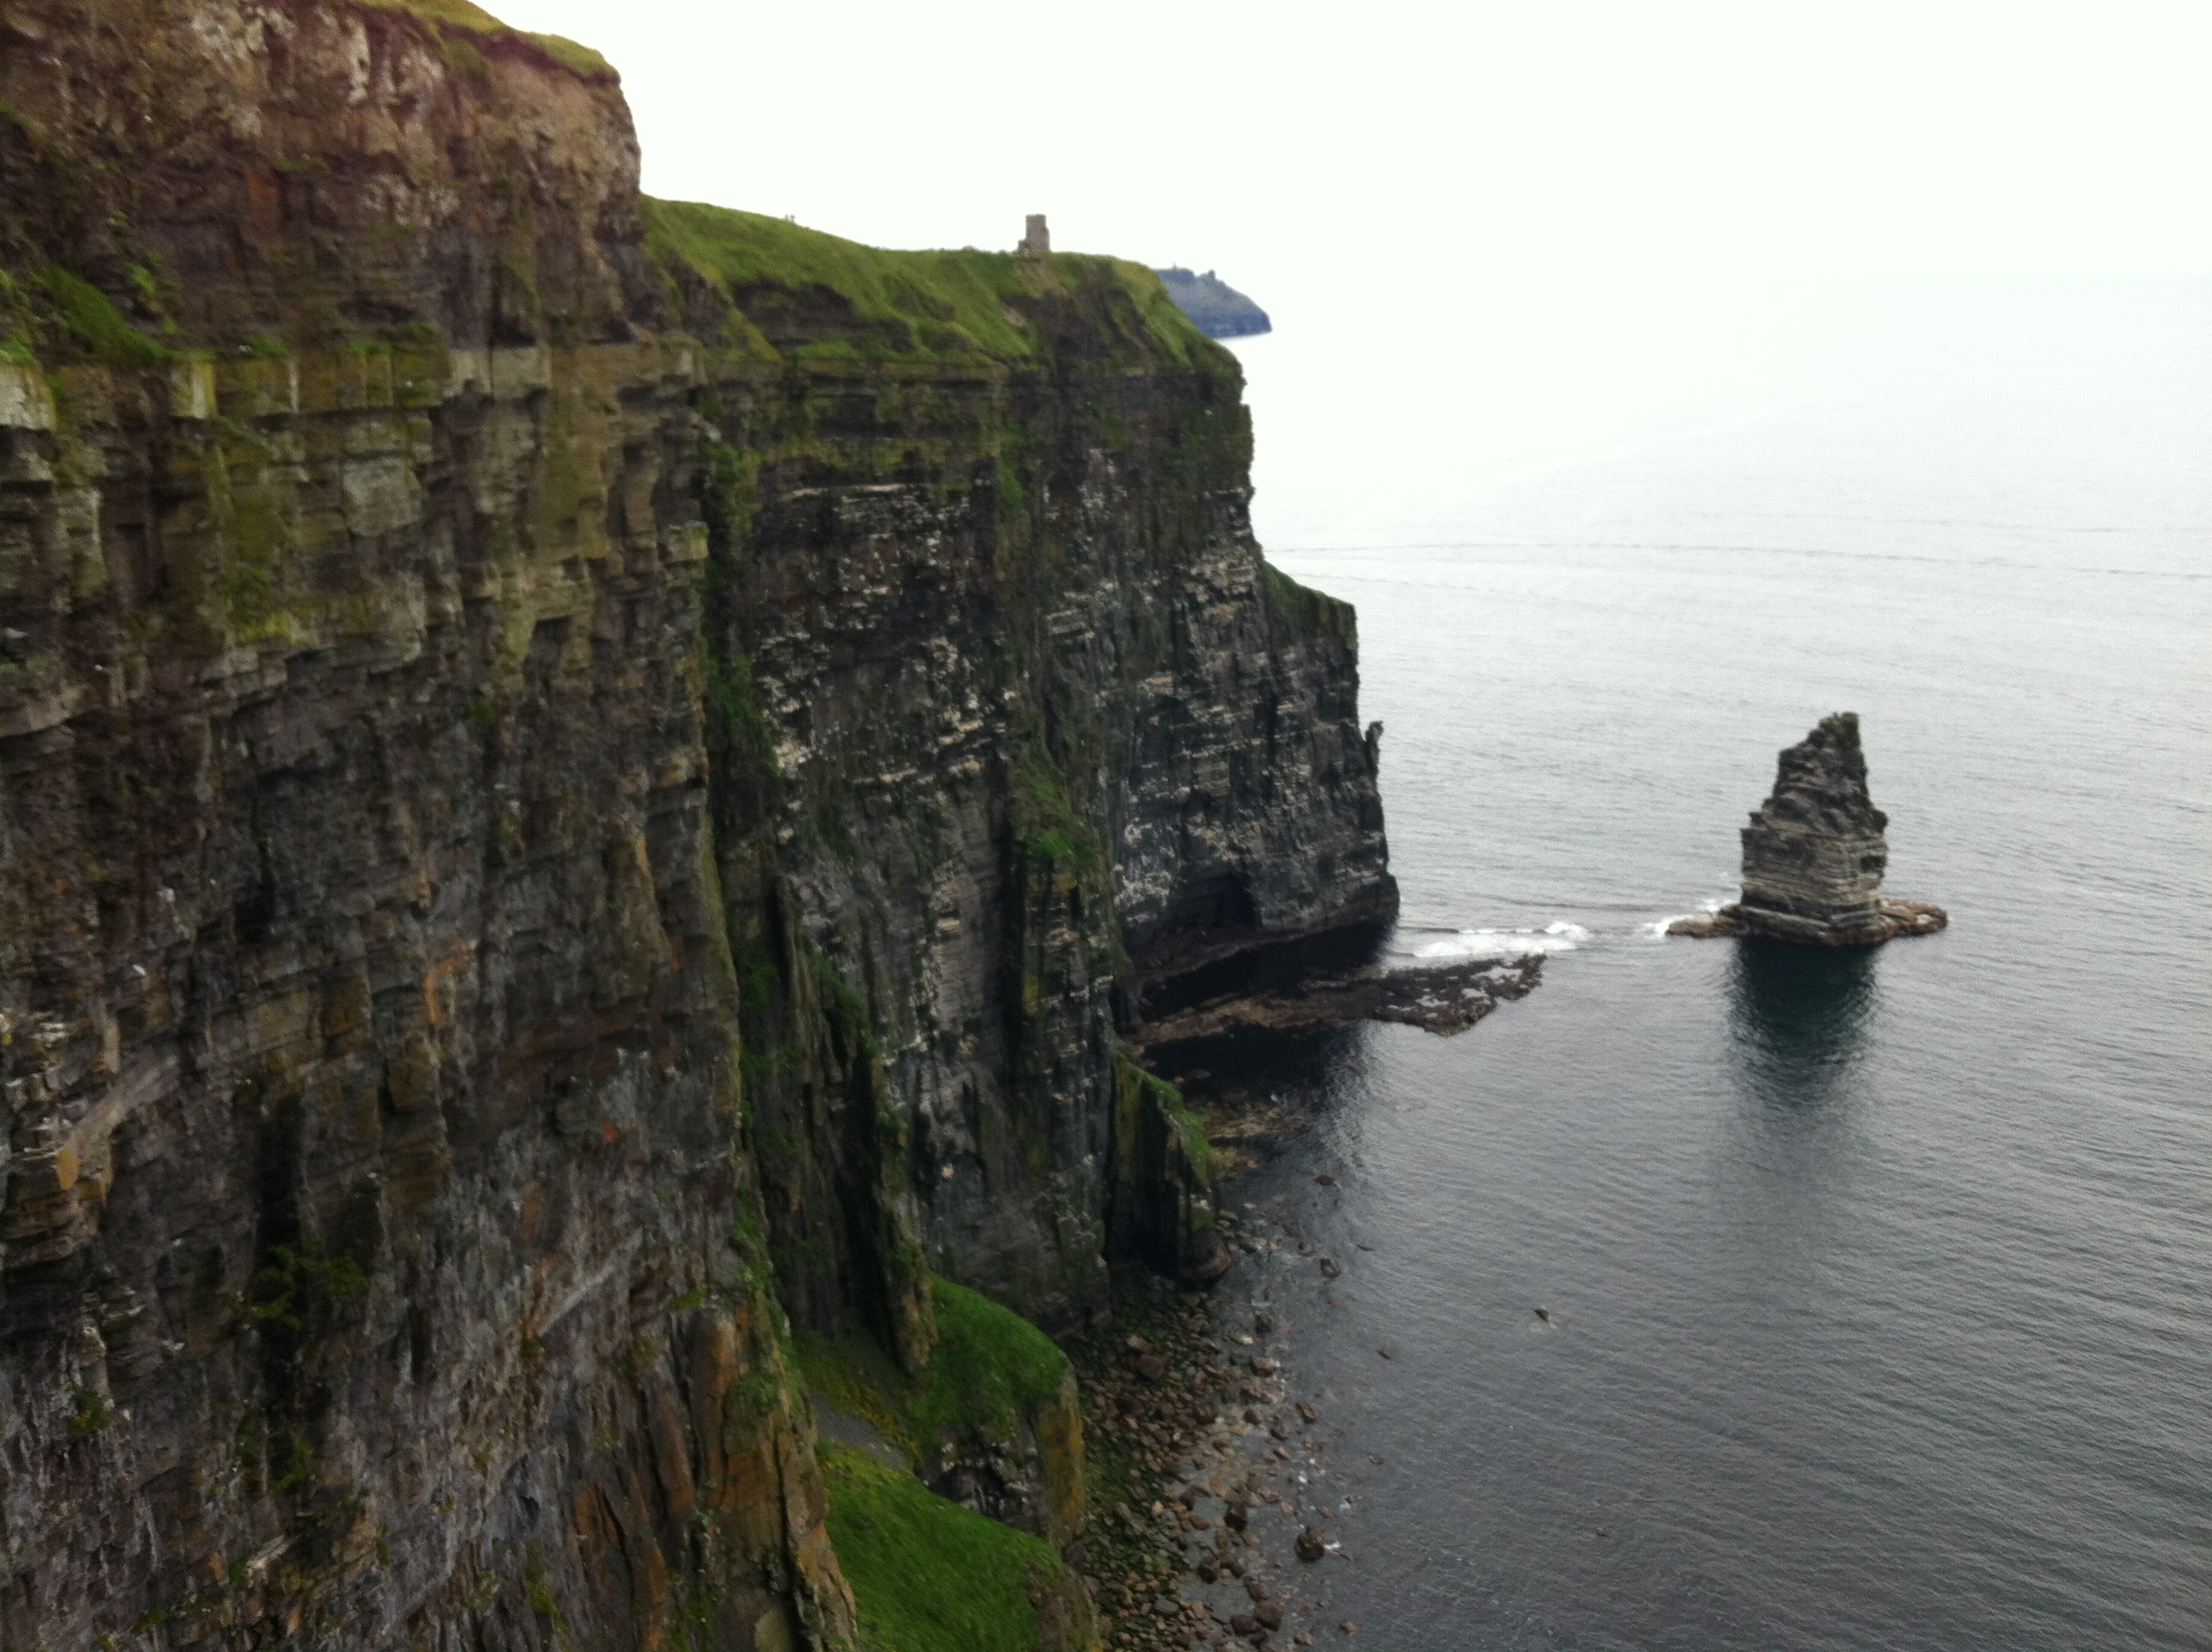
point(1038, 241)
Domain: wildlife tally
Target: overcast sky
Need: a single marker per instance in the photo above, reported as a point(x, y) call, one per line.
point(1541, 137)
point(1604, 221)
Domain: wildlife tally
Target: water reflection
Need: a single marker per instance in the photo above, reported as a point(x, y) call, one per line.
point(1799, 1015)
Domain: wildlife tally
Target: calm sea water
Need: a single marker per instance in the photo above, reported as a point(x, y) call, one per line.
point(1881, 1282)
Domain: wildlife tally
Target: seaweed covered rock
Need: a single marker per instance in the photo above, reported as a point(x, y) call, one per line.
point(1814, 853)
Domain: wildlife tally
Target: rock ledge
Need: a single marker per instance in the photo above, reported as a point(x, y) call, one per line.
point(1897, 918)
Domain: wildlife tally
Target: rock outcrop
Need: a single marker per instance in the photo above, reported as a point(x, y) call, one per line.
point(582, 781)
point(1445, 999)
point(1814, 853)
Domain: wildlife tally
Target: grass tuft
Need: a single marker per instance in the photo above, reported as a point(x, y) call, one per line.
point(450, 17)
point(988, 1365)
point(87, 312)
point(927, 1574)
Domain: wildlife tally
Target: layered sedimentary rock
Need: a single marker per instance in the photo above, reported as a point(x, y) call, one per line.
point(1814, 853)
point(582, 780)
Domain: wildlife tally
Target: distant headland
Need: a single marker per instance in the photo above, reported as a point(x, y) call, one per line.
point(1219, 310)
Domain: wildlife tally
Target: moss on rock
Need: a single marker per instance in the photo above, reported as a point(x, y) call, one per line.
point(1164, 1175)
point(995, 1417)
point(929, 1576)
point(989, 1367)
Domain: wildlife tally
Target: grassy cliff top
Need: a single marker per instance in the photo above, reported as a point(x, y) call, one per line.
point(453, 18)
point(812, 296)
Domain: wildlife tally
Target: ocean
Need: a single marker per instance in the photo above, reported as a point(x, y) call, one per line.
point(1879, 1282)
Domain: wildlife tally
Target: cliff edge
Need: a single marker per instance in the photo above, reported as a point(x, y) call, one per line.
point(585, 783)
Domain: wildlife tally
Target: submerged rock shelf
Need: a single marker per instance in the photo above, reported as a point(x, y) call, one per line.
point(1441, 999)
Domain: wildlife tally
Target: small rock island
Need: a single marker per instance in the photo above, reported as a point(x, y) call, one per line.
point(1815, 854)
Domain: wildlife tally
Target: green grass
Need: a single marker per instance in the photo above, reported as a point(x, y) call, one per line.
point(449, 16)
point(988, 1365)
point(989, 1362)
point(925, 305)
point(927, 1574)
point(1044, 820)
point(1308, 610)
point(855, 1375)
point(87, 312)
point(1186, 1123)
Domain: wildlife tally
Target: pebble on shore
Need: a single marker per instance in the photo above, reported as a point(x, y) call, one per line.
point(1203, 1467)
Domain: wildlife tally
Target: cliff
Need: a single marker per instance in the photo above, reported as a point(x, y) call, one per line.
point(1217, 309)
point(584, 785)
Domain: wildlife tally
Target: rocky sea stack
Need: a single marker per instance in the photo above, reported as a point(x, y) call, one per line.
point(1815, 854)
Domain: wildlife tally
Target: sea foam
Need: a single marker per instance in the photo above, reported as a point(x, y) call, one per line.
point(1561, 936)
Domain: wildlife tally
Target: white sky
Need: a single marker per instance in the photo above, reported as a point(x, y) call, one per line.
point(1530, 135)
point(1597, 221)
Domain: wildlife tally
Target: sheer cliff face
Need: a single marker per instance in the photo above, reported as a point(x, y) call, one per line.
point(1028, 721)
point(546, 822)
point(319, 173)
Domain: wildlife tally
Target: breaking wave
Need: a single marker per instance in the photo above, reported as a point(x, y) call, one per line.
point(1560, 936)
point(1656, 929)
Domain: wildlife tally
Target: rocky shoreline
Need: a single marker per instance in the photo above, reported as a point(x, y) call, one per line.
point(1215, 1516)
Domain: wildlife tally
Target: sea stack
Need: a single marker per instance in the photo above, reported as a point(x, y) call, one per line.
point(1814, 853)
